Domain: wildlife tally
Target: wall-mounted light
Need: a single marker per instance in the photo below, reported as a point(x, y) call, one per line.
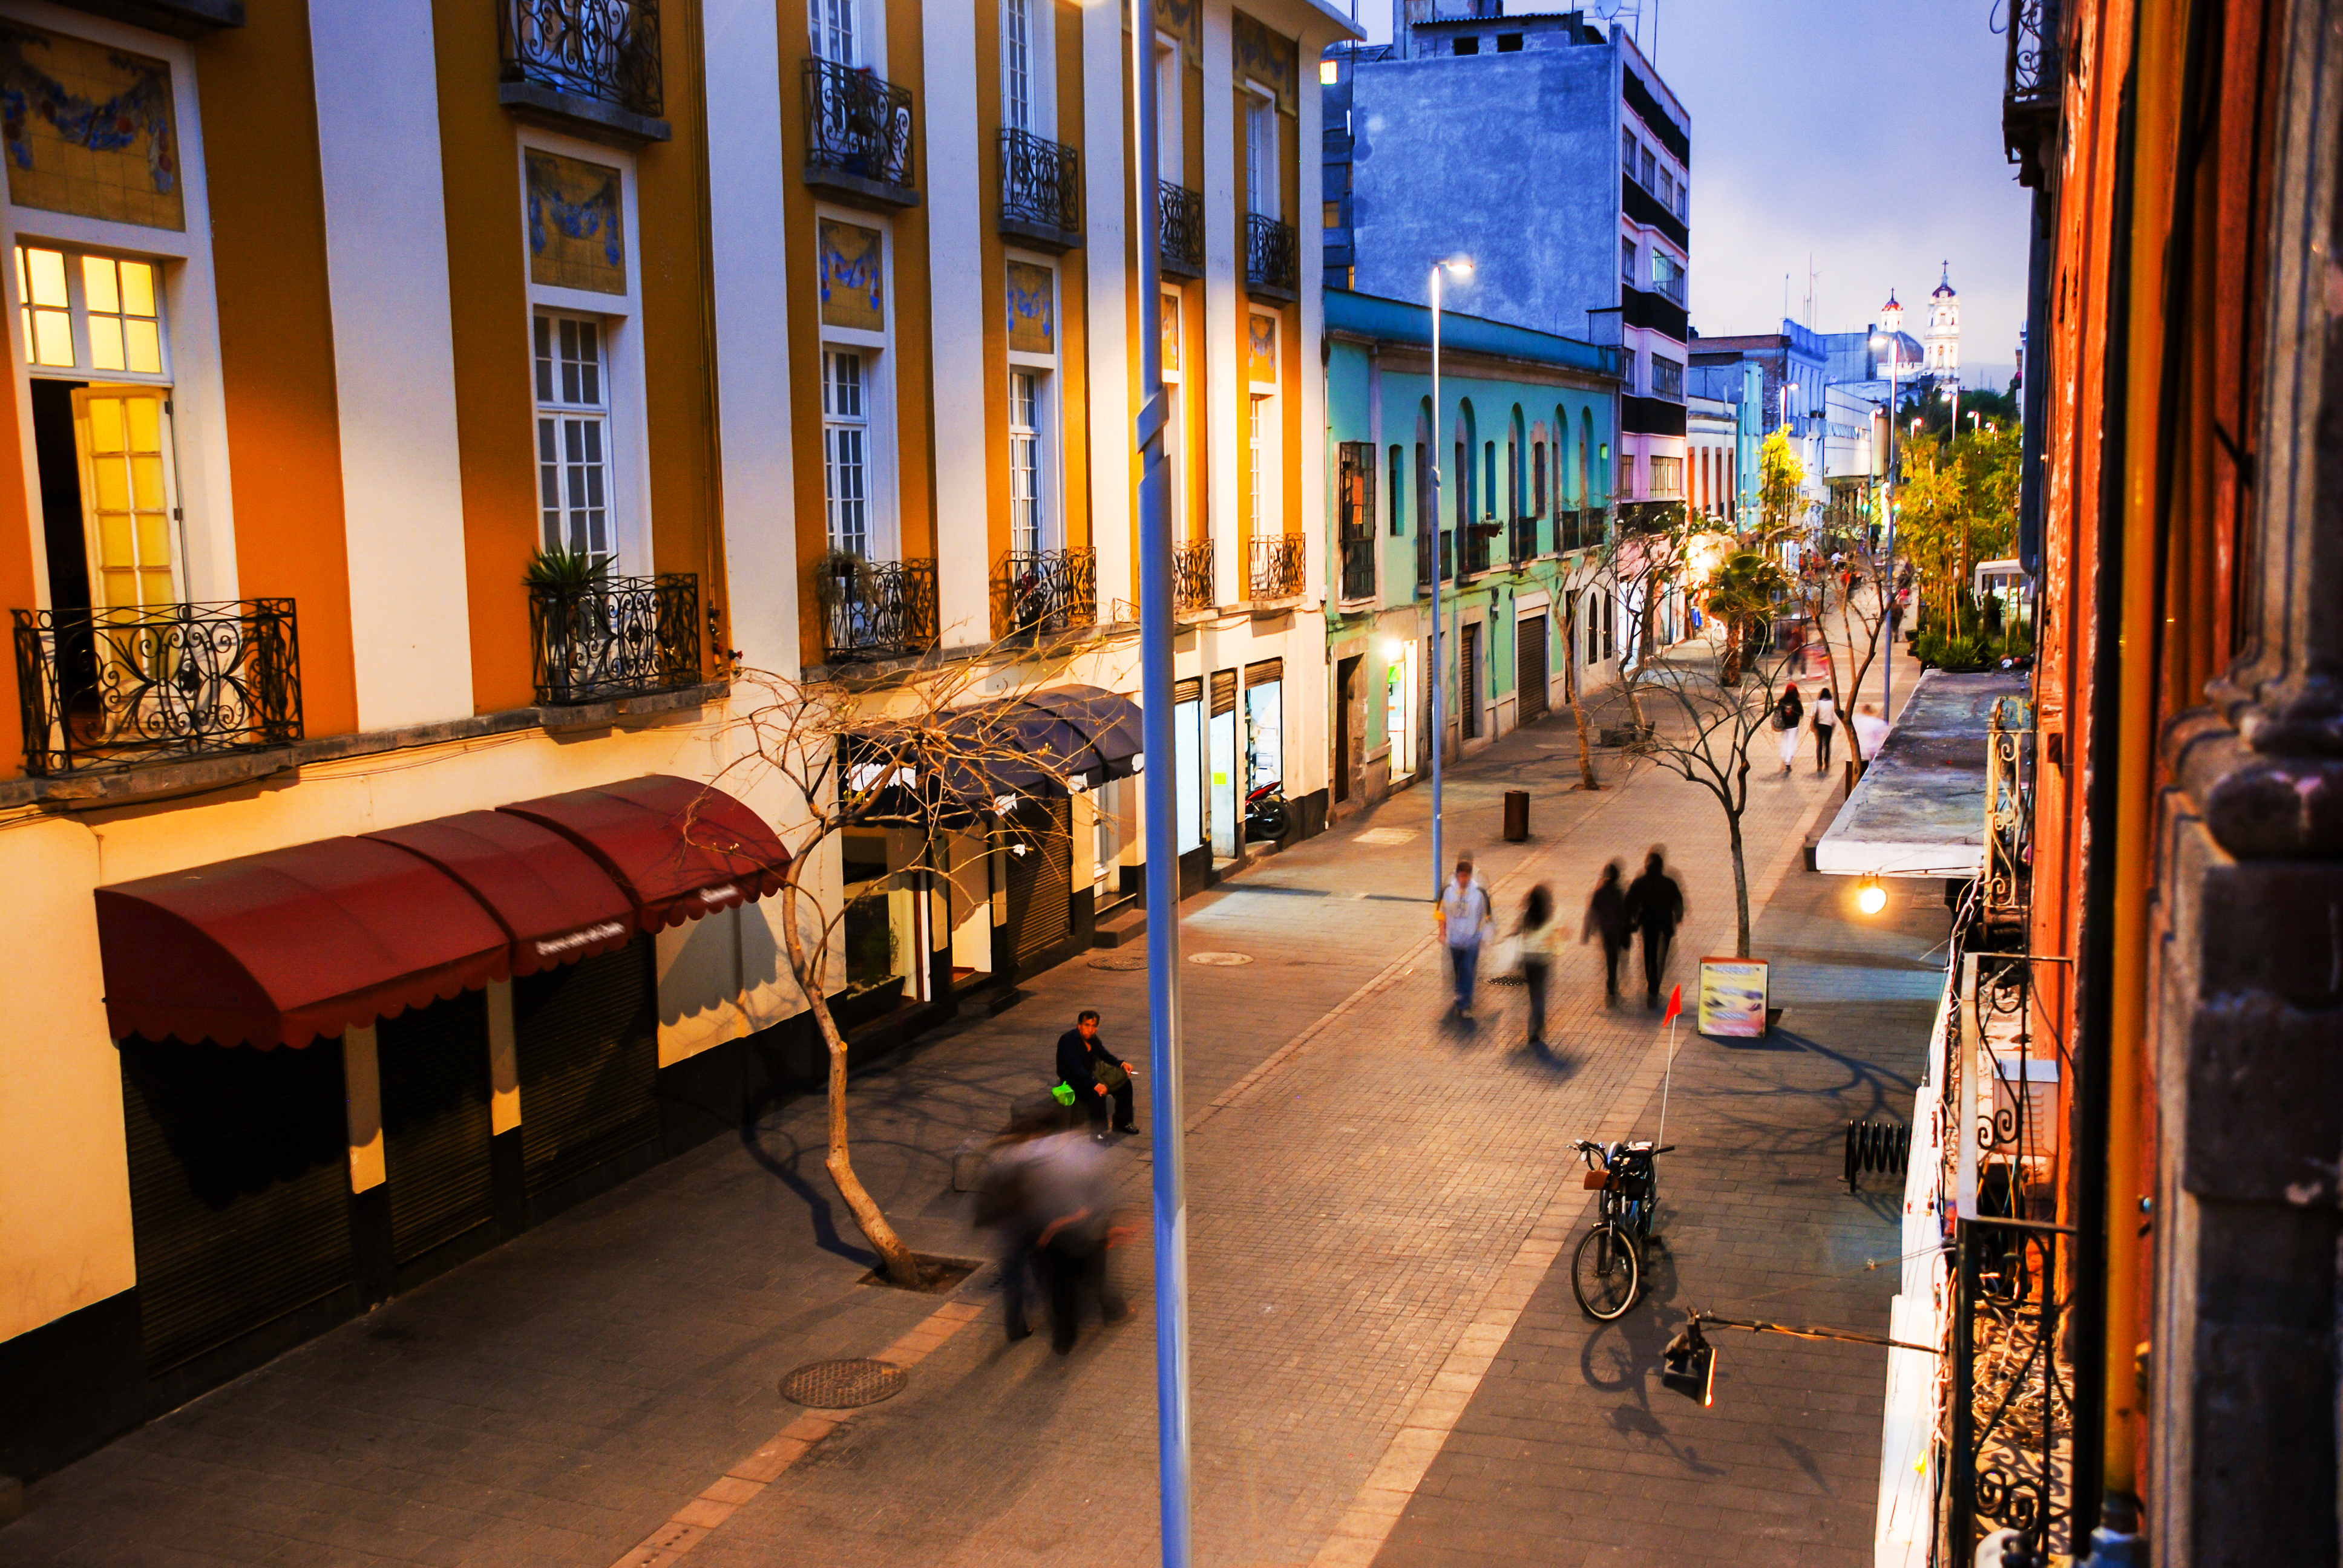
point(1870, 896)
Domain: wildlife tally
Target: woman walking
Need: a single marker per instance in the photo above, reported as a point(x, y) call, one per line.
point(1788, 714)
point(1826, 721)
point(1606, 914)
point(1537, 939)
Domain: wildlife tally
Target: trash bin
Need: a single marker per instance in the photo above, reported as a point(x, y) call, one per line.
point(1517, 816)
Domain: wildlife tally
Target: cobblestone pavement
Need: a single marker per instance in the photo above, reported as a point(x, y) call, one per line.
point(1354, 1207)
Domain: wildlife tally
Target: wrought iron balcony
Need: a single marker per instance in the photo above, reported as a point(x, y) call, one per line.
point(1476, 547)
point(1047, 591)
point(1278, 565)
point(878, 609)
point(128, 684)
point(1270, 252)
point(623, 637)
point(1041, 190)
point(1181, 252)
point(592, 60)
point(857, 134)
point(1191, 577)
point(1359, 566)
point(1522, 540)
point(1424, 574)
point(2032, 90)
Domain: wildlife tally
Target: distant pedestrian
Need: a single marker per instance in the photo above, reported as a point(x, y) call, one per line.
point(1538, 937)
point(1870, 730)
point(1825, 724)
point(1607, 917)
point(1007, 1201)
point(1074, 1198)
point(1463, 919)
point(1655, 907)
point(1096, 1075)
point(1788, 714)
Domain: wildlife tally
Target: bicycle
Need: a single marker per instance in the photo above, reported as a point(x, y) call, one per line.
point(1606, 1271)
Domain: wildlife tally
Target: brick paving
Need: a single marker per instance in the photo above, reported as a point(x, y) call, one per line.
point(1355, 1211)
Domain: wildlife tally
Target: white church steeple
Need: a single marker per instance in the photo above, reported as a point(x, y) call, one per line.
point(1943, 339)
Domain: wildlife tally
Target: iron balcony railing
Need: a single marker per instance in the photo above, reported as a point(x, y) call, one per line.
point(605, 49)
point(1191, 577)
point(878, 609)
point(1182, 247)
point(2032, 89)
point(1278, 564)
point(1049, 590)
point(1476, 549)
point(858, 124)
point(1425, 549)
point(127, 684)
point(1522, 538)
point(1359, 566)
point(1269, 254)
point(623, 637)
point(1041, 184)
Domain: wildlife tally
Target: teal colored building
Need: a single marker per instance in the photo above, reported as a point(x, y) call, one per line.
point(1525, 435)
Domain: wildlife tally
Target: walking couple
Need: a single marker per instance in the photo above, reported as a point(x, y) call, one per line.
point(1464, 920)
point(1652, 904)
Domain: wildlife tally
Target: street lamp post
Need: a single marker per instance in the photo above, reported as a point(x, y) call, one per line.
point(1462, 268)
point(1888, 586)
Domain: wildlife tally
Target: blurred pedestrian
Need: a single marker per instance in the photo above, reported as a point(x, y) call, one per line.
point(1870, 732)
point(1096, 1075)
point(1606, 915)
point(1788, 714)
point(1826, 723)
point(1655, 907)
point(1008, 1204)
point(1463, 919)
point(1074, 1199)
point(1538, 939)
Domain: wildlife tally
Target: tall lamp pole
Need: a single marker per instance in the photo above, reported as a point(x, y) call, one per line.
point(1155, 632)
point(1887, 500)
point(1462, 268)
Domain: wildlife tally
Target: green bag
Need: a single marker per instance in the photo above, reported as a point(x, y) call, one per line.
point(1063, 1094)
point(1111, 1076)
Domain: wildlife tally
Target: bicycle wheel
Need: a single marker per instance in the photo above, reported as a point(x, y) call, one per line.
point(1605, 1272)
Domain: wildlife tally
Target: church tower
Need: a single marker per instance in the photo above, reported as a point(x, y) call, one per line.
point(1943, 343)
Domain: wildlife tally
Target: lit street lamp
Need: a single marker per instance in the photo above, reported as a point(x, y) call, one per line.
point(1887, 583)
point(1462, 265)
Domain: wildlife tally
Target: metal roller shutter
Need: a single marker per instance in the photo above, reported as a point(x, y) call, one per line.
point(1189, 690)
point(587, 1036)
point(1530, 638)
point(239, 1188)
point(1040, 880)
point(434, 1062)
point(1225, 692)
point(1265, 672)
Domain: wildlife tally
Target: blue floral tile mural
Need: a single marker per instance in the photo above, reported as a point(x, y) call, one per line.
point(575, 240)
point(1260, 348)
point(1032, 308)
point(88, 130)
point(852, 263)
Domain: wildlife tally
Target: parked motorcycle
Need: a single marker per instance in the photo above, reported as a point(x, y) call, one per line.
point(1266, 817)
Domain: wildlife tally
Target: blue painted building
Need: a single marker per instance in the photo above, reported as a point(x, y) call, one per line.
point(1527, 438)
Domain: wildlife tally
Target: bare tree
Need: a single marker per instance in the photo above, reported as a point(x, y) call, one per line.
point(1575, 688)
point(1707, 737)
point(1646, 562)
point(1861, 607)
point(909, 751)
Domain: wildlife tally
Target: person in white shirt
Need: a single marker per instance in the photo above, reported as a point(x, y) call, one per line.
point(1464, 917)
point(1870, 730)
point(1541, 937)
point(1824, 722)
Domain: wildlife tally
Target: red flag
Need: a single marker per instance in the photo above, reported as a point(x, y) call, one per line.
point(1675, 1004)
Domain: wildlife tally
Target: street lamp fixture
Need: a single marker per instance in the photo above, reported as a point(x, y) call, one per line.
point(1870, 896)
point(1458, 266)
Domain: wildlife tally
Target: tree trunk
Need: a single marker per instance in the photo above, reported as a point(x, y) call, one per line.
point(1740, 888)
point(1577, 695)
point(896, 1259)
point(1731, 674)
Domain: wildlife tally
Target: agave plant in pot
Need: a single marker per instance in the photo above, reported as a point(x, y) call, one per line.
point(566, 590)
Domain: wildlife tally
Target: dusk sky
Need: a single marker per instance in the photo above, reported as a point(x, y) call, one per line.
point(1866, 133)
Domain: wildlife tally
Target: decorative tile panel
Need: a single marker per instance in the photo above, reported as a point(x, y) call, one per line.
point(853, 276)
point(1183, 19)
point(1263, 57)
point(1260, 348)
point(1172, 335)
point(88, 130)
point(1032, 308)
point(575, 240)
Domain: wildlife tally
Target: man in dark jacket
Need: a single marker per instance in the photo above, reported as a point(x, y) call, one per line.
point(1655, 907)
point(1080, 1056)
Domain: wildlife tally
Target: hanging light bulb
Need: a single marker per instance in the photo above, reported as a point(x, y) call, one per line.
point(1871, 898)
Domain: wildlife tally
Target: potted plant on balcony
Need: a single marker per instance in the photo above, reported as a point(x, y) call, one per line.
point(564, 588)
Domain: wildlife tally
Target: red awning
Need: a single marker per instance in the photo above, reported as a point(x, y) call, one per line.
point(680, 849)
point(281, 947)
point(553, 900)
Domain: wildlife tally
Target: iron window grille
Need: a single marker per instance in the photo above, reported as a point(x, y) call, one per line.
point(1523, 540)
point(1270, 252)
point(1424, 550)
point(1041, 184)
point(1279, 563)
point(878, 609)
point(1045, 591)
point(1192, 577)
point(144, 683)
point(1357, 522)
point(602, 49)
point(1476, 549)
point(858, 124)
point(1182, 249)
point(624, 637)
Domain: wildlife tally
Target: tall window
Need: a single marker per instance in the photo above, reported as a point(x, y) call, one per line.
point(1627, 150)
point(1667, 376)
point(846, 450)
point(1537, 478)
point(1667, 478)
point(1667, 274)
point(1017, 62)
point(1025, 499)
point(832, 23)
point(1425, 522)
point(1398, 489)
point(1651, 170)
point(1257, 467)
point(1263, 194)
point(573, 435)
point(1627, 261)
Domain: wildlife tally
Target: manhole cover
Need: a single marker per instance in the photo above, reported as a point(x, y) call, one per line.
point(1119, 961)
point(842, 1385)
point(1223, 960)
